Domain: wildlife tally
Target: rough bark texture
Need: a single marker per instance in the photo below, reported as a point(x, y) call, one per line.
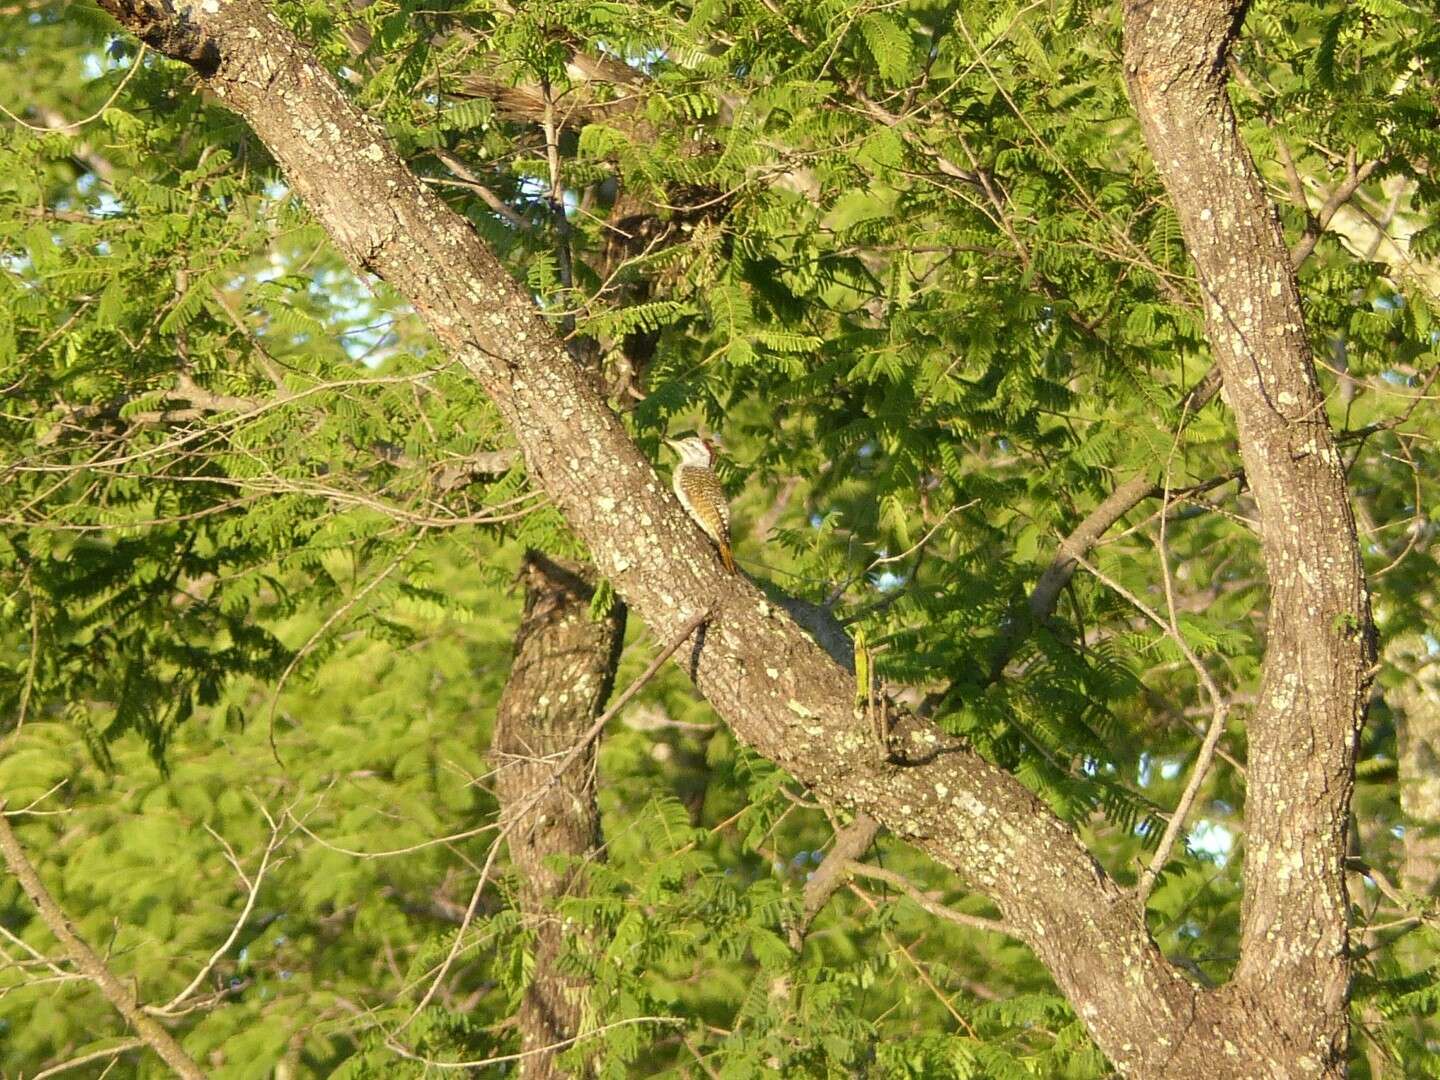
point(1294, 966)
point(781, 693)
point(563, 672)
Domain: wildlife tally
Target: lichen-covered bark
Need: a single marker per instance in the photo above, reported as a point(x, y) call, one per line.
point(775, 687)
point(1294, 964)
point(563, 671)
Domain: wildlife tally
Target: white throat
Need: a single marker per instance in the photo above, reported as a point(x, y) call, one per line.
point(693, 453)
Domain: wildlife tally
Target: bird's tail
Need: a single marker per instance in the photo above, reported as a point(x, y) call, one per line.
point(727, 556)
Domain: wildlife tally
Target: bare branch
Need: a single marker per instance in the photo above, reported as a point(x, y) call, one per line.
point(475, 184)
point(941, 911)
point(523, 1055)
point(1338, 198)
point(123, 1047)
point(87, 960)
point(1220, 709)
point(54, 123)
point(252, 884)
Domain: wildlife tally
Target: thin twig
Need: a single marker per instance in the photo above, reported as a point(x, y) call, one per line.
point(392, 852)
point(522, 1054)
point(939, 910)
point(335, 616)
point(1220, 709)
point(87, 960)
point(252, 885)
point(469, 180)
point(629, 692)
point(38, 959)
point(1417, 520)
point(455, 945)
point(34, 658)
point(699, 1060)
point(94, 1055)
point(1391, 891)
point(28, 809)
point(539, 793)
point(176, 442)
point(78, 124)
point(884, 560)
point(556, 199)
point(899, 946)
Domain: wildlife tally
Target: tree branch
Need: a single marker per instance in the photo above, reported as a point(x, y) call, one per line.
point(123, 1047)
point(87, 960)
point(940, 911)
point(775, 687)
point(1219, 710)
point(834, 870)
point(1320, 650)
point(252, 892)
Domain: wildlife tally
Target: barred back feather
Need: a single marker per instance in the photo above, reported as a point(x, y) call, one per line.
point(701, 494)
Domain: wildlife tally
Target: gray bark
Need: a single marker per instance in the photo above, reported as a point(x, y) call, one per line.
point(563, 672)
point(1294, 967)
point(781, 693)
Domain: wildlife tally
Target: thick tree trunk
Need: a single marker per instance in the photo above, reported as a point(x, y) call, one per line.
point(782, 694)
point(563, 672)
point(1294, 965)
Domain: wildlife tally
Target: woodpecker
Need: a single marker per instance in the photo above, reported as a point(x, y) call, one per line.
point(699, 491)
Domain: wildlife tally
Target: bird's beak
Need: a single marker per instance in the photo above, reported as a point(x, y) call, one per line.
point(674, 444)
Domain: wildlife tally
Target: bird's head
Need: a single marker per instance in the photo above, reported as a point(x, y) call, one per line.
point(694, 450)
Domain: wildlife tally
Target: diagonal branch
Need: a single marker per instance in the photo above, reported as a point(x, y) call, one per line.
point(252, 891)
point(1219, 710)
point(927, 903)
point(111, 1051)
point(775, 687)
point(87, 960)
point(851, 842)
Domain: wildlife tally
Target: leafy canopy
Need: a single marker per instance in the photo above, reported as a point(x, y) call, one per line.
point(909, 259)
